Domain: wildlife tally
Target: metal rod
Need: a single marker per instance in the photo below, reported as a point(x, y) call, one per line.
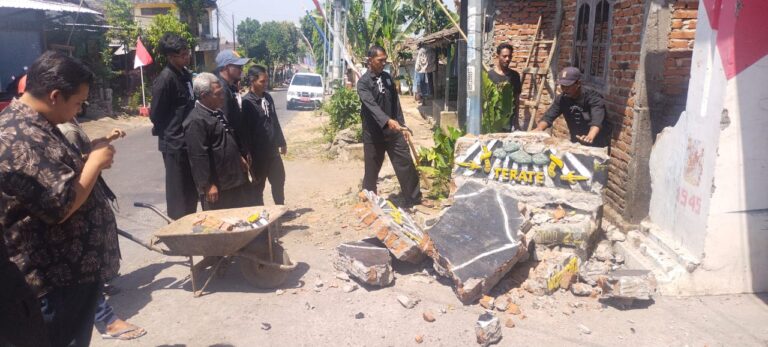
point(154, 209)
point(448, 14)
point(150, 247)
point(210, 277)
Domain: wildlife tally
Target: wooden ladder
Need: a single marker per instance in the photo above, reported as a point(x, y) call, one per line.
point(536, 73)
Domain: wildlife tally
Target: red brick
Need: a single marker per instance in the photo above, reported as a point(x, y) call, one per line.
point(678, 34)
point(685, 14)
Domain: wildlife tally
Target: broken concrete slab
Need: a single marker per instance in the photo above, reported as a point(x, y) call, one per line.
point(629, 284)
point(477, 240)
point(531, 159)
point(488, 329)
point(393, 226)
point(549, 273)
point(604, 251)
point(592, 270)
point(365, 260)
point(407, 302)
point(581, 289)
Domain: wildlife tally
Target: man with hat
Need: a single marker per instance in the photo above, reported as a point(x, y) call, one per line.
point(229, 70)
point(583, 109)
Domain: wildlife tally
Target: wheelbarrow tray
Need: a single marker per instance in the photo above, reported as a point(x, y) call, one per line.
point(180, 240)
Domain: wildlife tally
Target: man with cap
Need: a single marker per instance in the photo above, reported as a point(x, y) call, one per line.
point(229, 69)
point(172, 100)
point(583, 109)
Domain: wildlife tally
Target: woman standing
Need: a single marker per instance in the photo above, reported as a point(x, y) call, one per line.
point(266, 141)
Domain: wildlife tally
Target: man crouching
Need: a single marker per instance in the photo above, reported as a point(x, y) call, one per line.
point(218, 168)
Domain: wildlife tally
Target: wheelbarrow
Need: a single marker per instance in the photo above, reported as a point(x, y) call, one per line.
point(263, 262)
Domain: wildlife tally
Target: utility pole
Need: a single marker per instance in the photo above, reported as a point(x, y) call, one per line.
point(234, 37)
point(337, 40)
point(475, 12)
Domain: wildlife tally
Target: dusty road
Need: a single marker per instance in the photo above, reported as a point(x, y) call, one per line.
point(156, 293)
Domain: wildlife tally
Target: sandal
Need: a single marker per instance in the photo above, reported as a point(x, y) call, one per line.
point(121, 335)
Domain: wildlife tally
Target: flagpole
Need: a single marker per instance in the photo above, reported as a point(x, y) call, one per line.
point(143, 98)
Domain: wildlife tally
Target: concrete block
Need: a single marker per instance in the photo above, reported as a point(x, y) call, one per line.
point(396, 229)
point(477, 240)
point(559, 165)
point(488, 329)
point(629, 284)
point(365, 260)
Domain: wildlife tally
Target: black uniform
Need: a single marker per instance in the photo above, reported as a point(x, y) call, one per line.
point(580, 114)
point(172, 99)
point(380, 103)
point(215, 157)
point(266, 138)
point(513, 78)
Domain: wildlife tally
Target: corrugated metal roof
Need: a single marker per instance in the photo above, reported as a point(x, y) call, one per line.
point(45, 6)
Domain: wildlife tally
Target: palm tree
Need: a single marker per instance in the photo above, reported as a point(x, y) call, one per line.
point(390, 27)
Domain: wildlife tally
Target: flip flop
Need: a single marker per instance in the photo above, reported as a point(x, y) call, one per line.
point(119, 335)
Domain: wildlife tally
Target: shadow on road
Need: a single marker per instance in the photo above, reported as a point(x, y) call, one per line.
point(137, 287)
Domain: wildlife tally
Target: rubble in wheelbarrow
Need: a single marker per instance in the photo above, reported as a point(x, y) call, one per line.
point(205, 223)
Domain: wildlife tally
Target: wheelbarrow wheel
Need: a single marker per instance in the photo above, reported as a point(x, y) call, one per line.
point(264, 274)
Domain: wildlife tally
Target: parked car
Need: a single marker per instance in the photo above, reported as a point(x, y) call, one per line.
point(305, 90)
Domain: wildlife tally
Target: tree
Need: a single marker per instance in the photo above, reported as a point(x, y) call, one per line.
point(247, 32)
point(272, 43)
point(391, 26)
point(165, 23)
point(122, 27)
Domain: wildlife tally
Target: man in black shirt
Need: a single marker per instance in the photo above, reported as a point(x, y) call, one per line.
point(229, 69)
point(501, 73)
point(583, 109)
point(384, 129)
point(172, 100)
point(217, 166)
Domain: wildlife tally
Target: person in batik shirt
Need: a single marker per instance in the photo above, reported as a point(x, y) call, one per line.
point(58, 230)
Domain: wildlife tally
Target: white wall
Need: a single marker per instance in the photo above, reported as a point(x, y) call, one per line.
point(710, 195)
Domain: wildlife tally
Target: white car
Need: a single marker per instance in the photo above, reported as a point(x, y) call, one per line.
point(306, 90)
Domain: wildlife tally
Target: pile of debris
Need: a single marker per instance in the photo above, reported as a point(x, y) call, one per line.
point(521, 198)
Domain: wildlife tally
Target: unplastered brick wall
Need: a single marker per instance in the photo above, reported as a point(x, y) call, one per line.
point(677, 66)
point(624, 54)
point(515, 23)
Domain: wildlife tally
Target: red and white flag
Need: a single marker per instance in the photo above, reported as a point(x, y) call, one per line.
point(142, 55)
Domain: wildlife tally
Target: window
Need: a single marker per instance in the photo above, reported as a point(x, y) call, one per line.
point(154, 11)
point(592, 39)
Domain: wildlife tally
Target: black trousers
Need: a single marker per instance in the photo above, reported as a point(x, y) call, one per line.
point(230, 198)
point(21, 322)
point(400, 156)
point(270, 167)
point(180, 192)
point(69, 312)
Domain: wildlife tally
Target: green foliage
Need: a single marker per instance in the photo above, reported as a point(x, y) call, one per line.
point(343, 109)
point(134, 102)
point(498, 105)
point(160, 25)
point(437, 162)
point(122, 27)
point(272, 43)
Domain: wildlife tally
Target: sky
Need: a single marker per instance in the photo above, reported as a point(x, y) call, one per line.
point(266, 10)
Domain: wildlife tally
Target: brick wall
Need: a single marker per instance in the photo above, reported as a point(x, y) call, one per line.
point(677, 66)
point(516, 23)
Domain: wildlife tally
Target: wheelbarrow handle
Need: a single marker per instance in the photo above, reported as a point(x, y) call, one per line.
point(154, 209)
point(148, 246)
